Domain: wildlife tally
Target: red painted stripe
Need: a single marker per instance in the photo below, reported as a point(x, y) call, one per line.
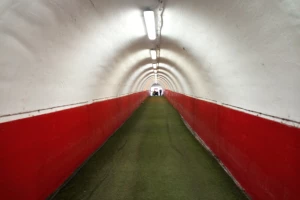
point(38, 154)
point(262, 155)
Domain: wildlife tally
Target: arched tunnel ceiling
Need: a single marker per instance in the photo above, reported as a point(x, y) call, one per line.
point(242, 53)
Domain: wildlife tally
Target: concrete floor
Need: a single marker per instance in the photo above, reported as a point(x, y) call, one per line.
point(152, 156)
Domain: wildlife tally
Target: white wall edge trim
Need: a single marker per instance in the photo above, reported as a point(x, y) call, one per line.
point(42, 111)
point(284, 121)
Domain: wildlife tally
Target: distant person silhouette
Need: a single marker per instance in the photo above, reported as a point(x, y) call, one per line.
point(160, 92)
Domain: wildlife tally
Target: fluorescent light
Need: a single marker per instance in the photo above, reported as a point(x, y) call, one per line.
point(153, 54)
point(154, 66)
point(150, 24)
point(155, 71)
point(155, 78)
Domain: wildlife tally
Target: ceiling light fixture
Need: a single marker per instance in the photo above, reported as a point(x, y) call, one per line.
point(154, 66)
point(153, 54)
point(150, 24)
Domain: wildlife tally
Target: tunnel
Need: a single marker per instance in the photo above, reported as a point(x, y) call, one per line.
point(78, 121)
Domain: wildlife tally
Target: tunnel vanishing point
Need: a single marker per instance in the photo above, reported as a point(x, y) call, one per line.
point(77, 120)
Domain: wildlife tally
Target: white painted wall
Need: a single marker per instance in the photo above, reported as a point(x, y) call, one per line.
point(57, 52)
point(243, 53)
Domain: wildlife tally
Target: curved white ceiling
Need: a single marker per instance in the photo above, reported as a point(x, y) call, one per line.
point(243, 53)
point(162, 78)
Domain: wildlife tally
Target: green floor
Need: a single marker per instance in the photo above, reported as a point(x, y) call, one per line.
point(152, 156)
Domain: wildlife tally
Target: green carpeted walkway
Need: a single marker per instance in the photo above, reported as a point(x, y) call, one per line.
point(152, 156)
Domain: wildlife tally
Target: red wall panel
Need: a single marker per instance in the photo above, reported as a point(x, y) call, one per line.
point(38, 154)
point(261, 154)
